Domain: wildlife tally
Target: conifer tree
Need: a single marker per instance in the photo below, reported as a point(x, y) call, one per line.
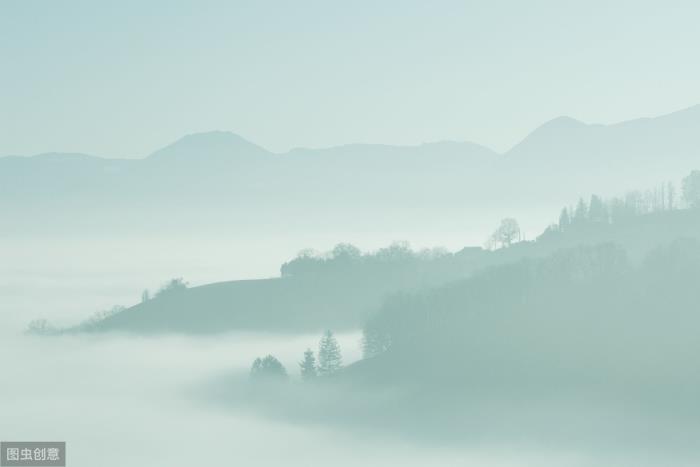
point(308, 366)
point(691, 189)
point(581, 213)
point(329, 358)
point(597, 212)
point(564, 219)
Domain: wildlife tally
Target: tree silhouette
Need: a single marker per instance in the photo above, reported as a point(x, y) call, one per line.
point(564, 219)
point(329, 358)
point(308, 366)
point(268, 369)
point(506, 233)
point(173, 286)
point(581, 213)
point(375, 341)
point(597, 212)
point(345, 251)
point(670, 196)
point(691, 189)
point(42, 327)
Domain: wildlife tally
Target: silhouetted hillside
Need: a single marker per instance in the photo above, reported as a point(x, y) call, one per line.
point(338, 291)
point(582, 346)
point(343, 288)
point(582, 323)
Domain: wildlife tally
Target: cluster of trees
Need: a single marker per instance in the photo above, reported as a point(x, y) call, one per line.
point(635, 203)
point(597, 211)
point(96, 318)
point(173, 286)
point(581, 327)
point(404, 314)
point(590, 279)
point(376, 339)
point(267, 369)
point(345, 256)
point(330, 359)
point(42, 327)
point(329, 362)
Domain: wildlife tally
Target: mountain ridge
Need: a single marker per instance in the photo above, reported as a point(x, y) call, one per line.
point(221, 143)
point(443, 186)
point(211, 145)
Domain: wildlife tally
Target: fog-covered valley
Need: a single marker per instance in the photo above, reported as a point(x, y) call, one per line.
point(301, 234)
point(176, 400)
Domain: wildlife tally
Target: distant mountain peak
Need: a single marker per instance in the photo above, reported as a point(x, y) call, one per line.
point(562, 122)
point(207, 146)
point(550, 134)
point(214, 135)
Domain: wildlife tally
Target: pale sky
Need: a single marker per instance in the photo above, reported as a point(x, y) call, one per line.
point(122, 79)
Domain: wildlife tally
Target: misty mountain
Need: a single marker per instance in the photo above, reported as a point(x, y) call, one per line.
point(652, 142)
point(368, 186)
point(209, 148)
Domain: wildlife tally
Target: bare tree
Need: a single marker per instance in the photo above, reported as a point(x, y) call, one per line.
point(506, 233)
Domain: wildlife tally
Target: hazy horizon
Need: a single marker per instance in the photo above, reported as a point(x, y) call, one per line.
point(306, 75)
point(358, 143)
